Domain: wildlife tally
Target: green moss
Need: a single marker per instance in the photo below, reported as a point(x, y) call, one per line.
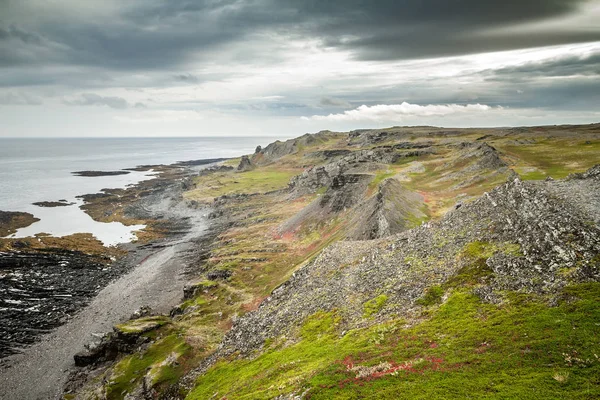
point(470, 275)
point(374, 305)
point(484, 250)
point(207, 284)
point(522, 349)
point(128, 372)
point(479, 249)
point(142, 325)
point(319, 324)
point(432, 296)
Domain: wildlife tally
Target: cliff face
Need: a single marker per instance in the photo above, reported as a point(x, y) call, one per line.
point(420, 261)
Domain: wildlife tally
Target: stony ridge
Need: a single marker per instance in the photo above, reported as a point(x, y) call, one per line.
point(536, 240)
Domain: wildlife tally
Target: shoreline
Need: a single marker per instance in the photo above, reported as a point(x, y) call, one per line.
point(153, 273)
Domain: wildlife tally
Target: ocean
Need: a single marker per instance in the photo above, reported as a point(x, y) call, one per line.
point(34, 170)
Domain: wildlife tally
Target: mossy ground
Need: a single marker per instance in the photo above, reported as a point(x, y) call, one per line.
point(227, 183)
point(552, 158)
point(154, 363)
point(521, 349)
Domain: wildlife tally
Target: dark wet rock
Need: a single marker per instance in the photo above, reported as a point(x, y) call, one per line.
point(40, 290)
point(245, 164)
point(60, 203)
point(258, 149)
point(100, 173)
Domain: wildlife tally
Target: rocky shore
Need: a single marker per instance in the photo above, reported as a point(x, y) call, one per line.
point(76, 285)
point(10, 221)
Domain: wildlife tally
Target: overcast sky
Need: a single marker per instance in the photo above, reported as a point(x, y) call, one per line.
point(286, 67)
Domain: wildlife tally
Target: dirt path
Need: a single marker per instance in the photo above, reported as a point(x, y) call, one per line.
point(40, 371)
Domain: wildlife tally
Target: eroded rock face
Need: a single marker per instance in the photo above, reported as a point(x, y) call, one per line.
point(533, 237)
point(245, 164)
point(486, 156)
point(280, 149)
point(354, 162)
point(390, 211)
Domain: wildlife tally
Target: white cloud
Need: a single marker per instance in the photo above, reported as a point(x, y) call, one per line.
point(396, 112)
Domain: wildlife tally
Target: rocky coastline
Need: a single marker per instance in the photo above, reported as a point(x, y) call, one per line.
point(342, 263)
point(45, 282)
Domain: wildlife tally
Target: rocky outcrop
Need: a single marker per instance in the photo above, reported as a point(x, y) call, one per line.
point(328, 154)
point(280, 149)
point(360, 161)
point(345, 191)
point(480, 156)
point(245, 164)
point(391, 210)
point(532, 237)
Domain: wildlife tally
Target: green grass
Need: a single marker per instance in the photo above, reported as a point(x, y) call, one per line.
point(260, 180)
point(521, 349)
point(554, 158)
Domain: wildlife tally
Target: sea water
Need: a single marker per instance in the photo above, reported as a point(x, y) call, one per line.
point(34, 170)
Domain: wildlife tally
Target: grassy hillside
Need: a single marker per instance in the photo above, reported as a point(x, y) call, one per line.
point(449, 322)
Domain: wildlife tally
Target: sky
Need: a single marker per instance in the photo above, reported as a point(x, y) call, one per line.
point(286, 67)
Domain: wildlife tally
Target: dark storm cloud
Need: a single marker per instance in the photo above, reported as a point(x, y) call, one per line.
point(558, 67)
point(11, 32)
point(402, 29)
point(169, 34)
